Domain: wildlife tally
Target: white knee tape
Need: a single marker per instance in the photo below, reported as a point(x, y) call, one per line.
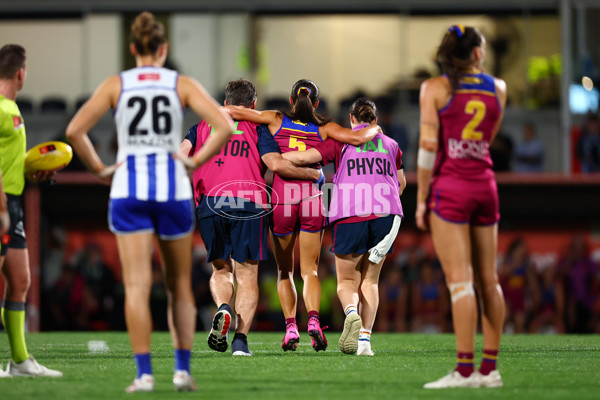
point(461, 289)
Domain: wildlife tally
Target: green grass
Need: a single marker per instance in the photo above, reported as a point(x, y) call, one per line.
point(533, 367)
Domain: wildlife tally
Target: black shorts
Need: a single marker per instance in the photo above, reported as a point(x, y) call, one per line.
point(15, 238)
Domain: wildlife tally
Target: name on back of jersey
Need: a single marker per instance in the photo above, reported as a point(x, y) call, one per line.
point(150, 141)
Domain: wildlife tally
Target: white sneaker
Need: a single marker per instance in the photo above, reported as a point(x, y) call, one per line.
point(183, 381)
point(349, 340)
point(454, 380)
point(364, 348)
point(491, 380)
point(144, 383)
point(4, 374)
point(31, 367)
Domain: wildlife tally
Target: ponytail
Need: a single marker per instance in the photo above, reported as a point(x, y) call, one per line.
point(305, 95)
point(454, 53)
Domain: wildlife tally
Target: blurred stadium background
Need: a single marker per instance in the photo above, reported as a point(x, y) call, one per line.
point(547, 154)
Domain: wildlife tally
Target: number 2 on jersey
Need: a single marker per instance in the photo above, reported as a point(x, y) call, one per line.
point(477, 109)
point(296, 144)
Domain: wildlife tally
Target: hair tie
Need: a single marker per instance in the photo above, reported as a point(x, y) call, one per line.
point(459, 29)
point(305, 88)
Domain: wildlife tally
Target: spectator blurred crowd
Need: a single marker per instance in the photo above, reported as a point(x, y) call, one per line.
point(543, 295)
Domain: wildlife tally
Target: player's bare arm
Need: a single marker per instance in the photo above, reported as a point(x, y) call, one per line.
point(105, 97)
point(193, 94)
point(285, 168)
point(501, 93)
point(431, 100)
point(309, 156)
point(185, 148)
point(242, 113)
point(401, 182)
point(346, 135)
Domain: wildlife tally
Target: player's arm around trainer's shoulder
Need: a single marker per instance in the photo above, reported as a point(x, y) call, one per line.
point(240, 113)
point(349, 136)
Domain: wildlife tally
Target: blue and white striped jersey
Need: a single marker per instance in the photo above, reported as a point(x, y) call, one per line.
point(149, 120)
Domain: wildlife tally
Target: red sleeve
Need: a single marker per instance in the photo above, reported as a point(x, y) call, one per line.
point(399, 159)
point(330, 150)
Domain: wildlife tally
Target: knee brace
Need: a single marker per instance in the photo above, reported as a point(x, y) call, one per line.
point(460, 289)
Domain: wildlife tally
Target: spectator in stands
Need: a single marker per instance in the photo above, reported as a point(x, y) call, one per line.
point(430, 301)
point(65, 301)
point(409, 260)
point(588, 147)
point(393, 301)
point(517, 275)
point(549, 303)
point(99, 283)
point(529, 154)
point(579, 272)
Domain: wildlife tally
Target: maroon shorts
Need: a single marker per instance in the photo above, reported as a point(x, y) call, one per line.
point(465, 202)
point(305, 216)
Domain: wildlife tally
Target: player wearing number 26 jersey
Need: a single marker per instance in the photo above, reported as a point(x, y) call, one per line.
point(151, 193)
point(149, 125)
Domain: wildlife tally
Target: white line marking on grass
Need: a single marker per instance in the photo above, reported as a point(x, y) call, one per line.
point(97, 347)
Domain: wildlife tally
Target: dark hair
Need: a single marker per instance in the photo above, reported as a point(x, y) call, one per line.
point(305, 95)
point(454, 53)
point(147, 34)
point(240, 92)
point(12, 59)
point(364, 110)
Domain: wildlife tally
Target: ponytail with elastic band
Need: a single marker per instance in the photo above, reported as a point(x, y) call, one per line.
point(308, 91)
point(459, 29)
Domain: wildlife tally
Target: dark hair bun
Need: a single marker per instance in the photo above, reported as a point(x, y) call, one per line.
point(364, 110)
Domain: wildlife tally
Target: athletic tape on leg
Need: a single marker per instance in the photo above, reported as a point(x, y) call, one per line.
point(460, 289)
point(380, 250)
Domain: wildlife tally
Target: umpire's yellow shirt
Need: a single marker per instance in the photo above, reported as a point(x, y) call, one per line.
point(12, 147)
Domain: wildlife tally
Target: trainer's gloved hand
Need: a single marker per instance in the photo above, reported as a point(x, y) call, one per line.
point(321, 181)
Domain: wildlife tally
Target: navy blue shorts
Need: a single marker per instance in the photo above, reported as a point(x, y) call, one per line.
point(359, 237)
point(168, 219)
point(241, 239)
point(15, 238)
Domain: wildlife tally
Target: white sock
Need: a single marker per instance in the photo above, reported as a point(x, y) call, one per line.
point(349, 309)
point(364, 335)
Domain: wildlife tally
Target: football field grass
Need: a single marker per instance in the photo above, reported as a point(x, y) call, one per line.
point(533, 367)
